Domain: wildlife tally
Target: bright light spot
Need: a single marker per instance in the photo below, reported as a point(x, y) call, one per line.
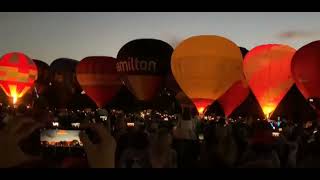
point(14, 99)
point(267, 110)
point(83, 92)
point(200, 110)
point(55, 124)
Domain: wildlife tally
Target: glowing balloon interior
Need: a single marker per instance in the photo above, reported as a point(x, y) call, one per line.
point(205, 67)
point(17, 74)
point(267, 69)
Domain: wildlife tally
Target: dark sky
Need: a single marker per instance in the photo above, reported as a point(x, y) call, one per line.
point(47, 36)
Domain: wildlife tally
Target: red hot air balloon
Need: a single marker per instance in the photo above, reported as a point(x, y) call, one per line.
point(235, 95)
point(143, 65)
point(17, 74)
point(267, 69)
point(99, 79)
point(306, 69)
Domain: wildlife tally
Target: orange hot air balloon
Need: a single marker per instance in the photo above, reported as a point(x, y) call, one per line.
point(98, 77)
point(205, 67)
point(306, 69)
point(267, 69)
point(143, 65)
point(238, 92)
point(17, 74)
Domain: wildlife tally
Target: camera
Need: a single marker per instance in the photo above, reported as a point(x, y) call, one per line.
point(61, 141)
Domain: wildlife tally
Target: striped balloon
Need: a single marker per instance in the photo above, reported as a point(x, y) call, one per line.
point(17, 74)
point(98, 77)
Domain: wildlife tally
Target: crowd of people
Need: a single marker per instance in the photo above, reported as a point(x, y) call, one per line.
point(152, 139)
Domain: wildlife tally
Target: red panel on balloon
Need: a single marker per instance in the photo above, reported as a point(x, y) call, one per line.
point(231, 99)
point(98, 77)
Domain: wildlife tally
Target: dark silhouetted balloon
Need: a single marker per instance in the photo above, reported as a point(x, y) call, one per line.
point(144, 65)
point(63, 81)
point(42, 83)
point(99, 78)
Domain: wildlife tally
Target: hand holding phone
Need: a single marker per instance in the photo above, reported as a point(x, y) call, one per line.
point(100, 154)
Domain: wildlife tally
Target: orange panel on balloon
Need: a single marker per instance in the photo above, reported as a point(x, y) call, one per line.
point(267, 69)
point(206, 66)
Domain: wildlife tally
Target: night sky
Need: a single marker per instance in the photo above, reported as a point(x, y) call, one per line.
point(48, 36)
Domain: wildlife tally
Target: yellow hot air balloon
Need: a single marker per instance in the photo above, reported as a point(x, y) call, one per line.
point(205, 67)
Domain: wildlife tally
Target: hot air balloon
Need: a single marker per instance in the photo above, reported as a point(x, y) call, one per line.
point(267, 70)
point(143, 65)
point(235, 95)
point(99, 79)
point(305, 69)
point(42, 83)
point(64, 84)
point(205, 67)
point(17, 74)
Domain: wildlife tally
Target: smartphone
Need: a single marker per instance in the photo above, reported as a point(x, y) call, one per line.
point(60, 138)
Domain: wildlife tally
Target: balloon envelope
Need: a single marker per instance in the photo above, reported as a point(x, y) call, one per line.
point(99, 79)
point(63, 80)
point(267, 70)
point(235, 95)
point(205, 67)
point(42, 82)
point(306, 69)
point(17, 74)
point(143, 65)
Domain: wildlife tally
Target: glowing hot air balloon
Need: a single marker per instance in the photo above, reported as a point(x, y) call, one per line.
point(267, 70)
point(17, 74)
point(99, 79)
point(143, 65)
point(205, 67)
point(306, 69)
point(236, 94)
